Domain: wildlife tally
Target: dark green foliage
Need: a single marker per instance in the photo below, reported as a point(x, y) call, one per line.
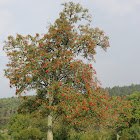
point(3, 122)
point(4, 137)
point(18, 122)
point(61, 130)
point(132, 133)
point(134, 99)
point(1, 137)
point(8, 107)
point(134, 130)
point(123, 91)
point(29, 133)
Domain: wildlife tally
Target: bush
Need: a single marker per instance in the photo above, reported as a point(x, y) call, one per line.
point(132, 133)
point(4, 137)
point(61, 131)
point(29, 133)
point(1, 137)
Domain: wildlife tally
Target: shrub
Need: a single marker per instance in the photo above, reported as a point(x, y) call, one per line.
point(29, 133)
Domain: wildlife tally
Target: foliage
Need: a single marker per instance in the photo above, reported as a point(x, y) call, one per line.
point(132, 133)
point(8, 106)
point(29, 133)
point(134, 99)
point(18, 122)
point(123, 91)
point(65, 86)
point(1, 137)
point(63, 131)
point(93, 135)
point(4, 137)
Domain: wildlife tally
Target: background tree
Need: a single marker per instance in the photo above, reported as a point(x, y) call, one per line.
point(134, 99)
point(133, 131)
point(65, 86)
point(19, 124)
point(124, 90)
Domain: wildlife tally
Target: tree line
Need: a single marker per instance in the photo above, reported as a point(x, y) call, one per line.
point(124, 90)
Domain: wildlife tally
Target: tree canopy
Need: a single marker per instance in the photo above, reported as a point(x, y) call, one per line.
point(64, 85)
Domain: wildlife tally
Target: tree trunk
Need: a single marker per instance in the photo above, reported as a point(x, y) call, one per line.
point(50, 132)
point(118, 137)
point(50, 115)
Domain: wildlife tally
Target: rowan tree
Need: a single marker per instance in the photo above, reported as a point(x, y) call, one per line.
point(64, 85)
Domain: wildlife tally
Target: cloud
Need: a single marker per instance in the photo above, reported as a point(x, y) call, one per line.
point(5, 21)
point(5, 17)
point(117, 7)
point(3, 2)
point(137, 1)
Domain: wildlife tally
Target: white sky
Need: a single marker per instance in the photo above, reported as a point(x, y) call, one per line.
point(120, 20)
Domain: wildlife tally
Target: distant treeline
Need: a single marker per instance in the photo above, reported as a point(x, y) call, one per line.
point(8, 106)
point(123, 91)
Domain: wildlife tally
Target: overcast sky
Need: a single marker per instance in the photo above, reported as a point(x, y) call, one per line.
point(120, 20)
